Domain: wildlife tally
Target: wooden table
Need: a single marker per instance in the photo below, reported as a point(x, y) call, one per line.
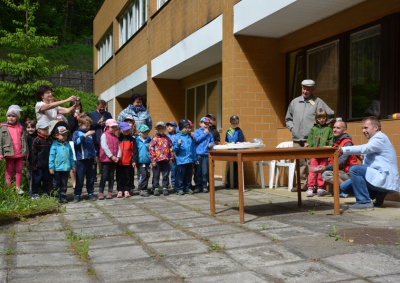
point(242, 155)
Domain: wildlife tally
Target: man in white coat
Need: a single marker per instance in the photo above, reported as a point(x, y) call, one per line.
point(378, 175)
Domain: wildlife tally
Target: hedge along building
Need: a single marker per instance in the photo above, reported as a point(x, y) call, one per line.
point(247, 58)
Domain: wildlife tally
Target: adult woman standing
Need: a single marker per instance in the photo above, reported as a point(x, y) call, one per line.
point(136, 109)
point(45, 109)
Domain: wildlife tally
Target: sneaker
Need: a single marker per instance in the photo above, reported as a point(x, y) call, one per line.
point(144, 193)
point(165, 192)
point(119, 195)
point(35, 196)
point(62, 200)
point(109, 195)
point(196, 191)
point(343, 195)
point(361, 206)
point(181, 193)
point(100, 196)
point(91, 197)
point(156, 192)
point(205, 190)
point(310, 193)
point(322, 192)
point(127, 194)
point(45, 195)
point(19, 191)
point(189, 191)
point(77, 198)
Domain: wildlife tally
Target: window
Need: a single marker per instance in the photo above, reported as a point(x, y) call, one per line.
point(204, 99)
point(347, 71)
point(105, 49)
point(132, 20)
point(160, 3)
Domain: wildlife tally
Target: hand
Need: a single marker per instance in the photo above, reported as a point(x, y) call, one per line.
point(210, 145)
point(72, 98)
point(180, 141)
point(206, 131)
point(305, 144)
point(154, 164)
point(51, 171)
point(73, 169)
point(91, 132)
point(133, 164)
point(114, 158)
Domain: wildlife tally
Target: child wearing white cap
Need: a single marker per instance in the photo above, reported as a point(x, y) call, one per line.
point(13, 146)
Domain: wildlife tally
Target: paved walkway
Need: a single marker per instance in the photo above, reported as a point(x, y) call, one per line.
point(176, 239)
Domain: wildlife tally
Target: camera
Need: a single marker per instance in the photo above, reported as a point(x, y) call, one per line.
point(77, 99)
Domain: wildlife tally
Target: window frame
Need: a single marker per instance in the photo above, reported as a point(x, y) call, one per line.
point(131, 21)
point(105, 48)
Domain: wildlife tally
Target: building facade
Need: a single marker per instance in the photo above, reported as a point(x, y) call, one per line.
point(247, 58)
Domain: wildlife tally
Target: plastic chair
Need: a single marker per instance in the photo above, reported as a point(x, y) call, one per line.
point(274, 166)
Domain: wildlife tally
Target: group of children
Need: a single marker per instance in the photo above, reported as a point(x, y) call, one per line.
point(50, 156)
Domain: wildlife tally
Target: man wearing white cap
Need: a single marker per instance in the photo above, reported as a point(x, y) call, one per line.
point(300, 118)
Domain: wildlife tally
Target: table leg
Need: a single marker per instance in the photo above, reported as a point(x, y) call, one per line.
point(336, 199)
point(241, 188)
point(298, 182)
point(231, 175)
point(212, 184)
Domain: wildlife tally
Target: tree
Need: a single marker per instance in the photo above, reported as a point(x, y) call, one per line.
point(24, 68)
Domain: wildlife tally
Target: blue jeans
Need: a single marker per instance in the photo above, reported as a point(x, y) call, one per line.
point(358, 185)
point(38, 176)
point(172, 168)
point(183, 177)
point(84, 168)
point(201, 172)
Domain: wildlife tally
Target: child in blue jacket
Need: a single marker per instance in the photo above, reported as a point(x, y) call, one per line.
point(234, 135)
point(204, 141)
point(141, 159)
point(61, 162)
point(185, 154)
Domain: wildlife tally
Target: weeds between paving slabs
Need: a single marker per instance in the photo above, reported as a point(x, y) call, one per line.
point(80, 245)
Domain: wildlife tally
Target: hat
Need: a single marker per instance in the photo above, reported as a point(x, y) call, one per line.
point(14, 110)
point(160, 124)
point(173, 124)
point(42, 125)
point(234, 118)
point(111, 122)
point(143, 128)
point(53, 124)
point(129, 118)
point(212, 116)
point(61, 130)
point(124, 126)
point(190, 123)
point(205, 120)
point(183, 123)
point(308, 83)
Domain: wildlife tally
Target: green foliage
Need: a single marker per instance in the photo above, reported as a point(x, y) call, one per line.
point(79, 244)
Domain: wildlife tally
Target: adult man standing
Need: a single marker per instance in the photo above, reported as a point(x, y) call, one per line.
point(378, 175)
point(341, 139)
point(300, 117)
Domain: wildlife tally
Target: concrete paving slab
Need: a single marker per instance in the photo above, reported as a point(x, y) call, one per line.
point(216, 230)
point(263, 255)
point(40, 236)
point(83, 216)
point(114, 254)
point(39, 226)
point(3, 275)
point(237, 240)
point(288, 233)
point(235, 218)
point(390, 278)
point(62, 274)
point(366, 263)
point(264, 224)
point(137, 219)
point(204, 221)
point(206, 264)
point(179, 247)
point(170, 209)
point(76, 224)
point(134, 271)
point(149, 226)
point(81, 210)
point(41, 247)
point(99, 231)
point(107, 242)
point(182, 215)
point(162, 236)
point(127, 212)
point(310, 272)
point(44, 259)
point(247, 276)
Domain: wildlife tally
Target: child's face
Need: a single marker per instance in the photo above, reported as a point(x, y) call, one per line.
point(44, 132)
point(30, 129)
point(171, 129)
point(234, 124)
point(144, 134)
point(114, 129)
point(125, 133)
point(186, 129)
point(12, 120)
point(85, 126)
point(61, 137)
point(321, 120)
point(160, 130)
point(204, 125)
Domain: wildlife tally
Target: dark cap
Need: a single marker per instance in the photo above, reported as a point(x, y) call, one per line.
point(211, 116)
point(234, 118)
